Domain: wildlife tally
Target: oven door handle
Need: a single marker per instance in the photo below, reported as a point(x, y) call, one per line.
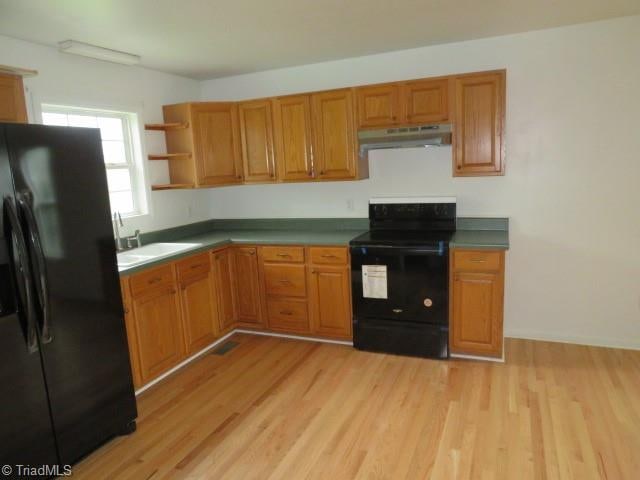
point(398, 250)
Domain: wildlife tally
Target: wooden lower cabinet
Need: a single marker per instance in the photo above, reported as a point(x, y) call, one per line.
point(247, 286)
point(223, 285)
point(131, 332)
point(330, 300)
point(477, 293)
point(159, 335)
point(199, 313)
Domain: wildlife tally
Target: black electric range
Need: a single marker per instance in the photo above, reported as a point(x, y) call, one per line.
point(400, 277)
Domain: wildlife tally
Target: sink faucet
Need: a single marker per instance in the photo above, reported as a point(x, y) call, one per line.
point(134, 238)
point(117, 223)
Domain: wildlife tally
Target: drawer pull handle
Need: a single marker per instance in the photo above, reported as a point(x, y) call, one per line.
point(155, 280)
point(193, 267)
point(286, 312)
point(478, 260)
point(328, 255)
point(286, 255)
point(284, 281)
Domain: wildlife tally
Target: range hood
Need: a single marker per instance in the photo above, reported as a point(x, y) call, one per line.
point(404, 137)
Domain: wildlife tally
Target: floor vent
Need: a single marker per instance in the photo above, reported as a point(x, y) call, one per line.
point(224, 348)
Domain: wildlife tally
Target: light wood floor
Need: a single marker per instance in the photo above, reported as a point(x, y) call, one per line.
point(287, 409)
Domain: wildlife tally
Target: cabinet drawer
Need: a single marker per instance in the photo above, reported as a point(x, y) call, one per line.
point(193, 266)
point(329, 255)
point(290, 315)
point(476, 260)
point(152, 278)
point(285, 280)
point(282, 254)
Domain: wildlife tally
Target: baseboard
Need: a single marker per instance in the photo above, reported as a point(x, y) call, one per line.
point(222, 339)
point(183, 363)
point(573, 339)
point(295, 337)
point(477, 357)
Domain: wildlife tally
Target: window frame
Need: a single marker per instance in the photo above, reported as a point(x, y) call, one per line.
point(132, 148)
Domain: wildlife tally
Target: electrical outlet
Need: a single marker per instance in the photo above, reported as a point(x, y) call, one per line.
point(351, 205)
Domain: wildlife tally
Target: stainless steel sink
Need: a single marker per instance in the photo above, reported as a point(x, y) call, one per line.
point(151, 252)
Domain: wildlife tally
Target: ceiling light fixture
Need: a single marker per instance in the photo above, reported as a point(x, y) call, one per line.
point(99, 53)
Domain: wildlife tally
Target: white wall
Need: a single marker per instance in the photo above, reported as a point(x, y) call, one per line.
point(78, 81)
point(572, 187)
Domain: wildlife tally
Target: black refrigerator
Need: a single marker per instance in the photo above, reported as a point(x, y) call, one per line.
point(64, 363)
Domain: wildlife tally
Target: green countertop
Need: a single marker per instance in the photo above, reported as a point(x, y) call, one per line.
point(479, 233)
point(208, 241)
point(480, 239)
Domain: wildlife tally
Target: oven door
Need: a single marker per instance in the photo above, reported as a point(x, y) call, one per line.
point(417, 284)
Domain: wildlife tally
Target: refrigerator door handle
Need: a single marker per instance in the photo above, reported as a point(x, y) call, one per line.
point(38, 265)
point(22, 271)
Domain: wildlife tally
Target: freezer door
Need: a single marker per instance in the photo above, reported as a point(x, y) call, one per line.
point(26, 433)
point(61, 192)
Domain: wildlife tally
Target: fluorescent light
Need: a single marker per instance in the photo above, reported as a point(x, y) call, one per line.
point(99, 53)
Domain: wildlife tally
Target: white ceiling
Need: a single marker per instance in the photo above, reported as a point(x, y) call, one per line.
point(211, 38)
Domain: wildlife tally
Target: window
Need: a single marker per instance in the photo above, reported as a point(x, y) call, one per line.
point(121, 153)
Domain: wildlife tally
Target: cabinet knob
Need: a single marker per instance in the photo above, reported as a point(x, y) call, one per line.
point(239, 177)
point(321, 172)
point(459, 167)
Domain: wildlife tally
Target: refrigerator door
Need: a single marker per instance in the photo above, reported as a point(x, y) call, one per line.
point(26, 433)
point(61, 192)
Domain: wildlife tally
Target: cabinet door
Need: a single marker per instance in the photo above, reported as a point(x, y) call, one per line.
point(159, 331)
point(256, 131)
point(199, 314)
point(478, 135)
point(216, 143)
point(12, 104)
point(426, 101)
point(330, 301)
point(292, 131)
point(334, 134)
point(378, 106)
point(223, 286)
point(477, 313)
point(247, 285)
point(132, 340)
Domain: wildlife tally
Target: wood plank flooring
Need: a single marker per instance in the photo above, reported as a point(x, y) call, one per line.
point(285, 409)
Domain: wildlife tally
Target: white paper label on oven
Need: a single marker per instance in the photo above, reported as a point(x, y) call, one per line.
point(374, 281)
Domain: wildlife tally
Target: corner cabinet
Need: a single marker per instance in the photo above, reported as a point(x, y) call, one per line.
point(203, 144)
point(478, 144)
point(476, 307)
point(247, 287)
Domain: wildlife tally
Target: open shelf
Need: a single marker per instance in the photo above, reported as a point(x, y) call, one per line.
point(167, 156)
point(172, 186)
point(166, 126)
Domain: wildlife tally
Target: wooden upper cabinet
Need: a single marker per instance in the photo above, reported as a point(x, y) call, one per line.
point(216, 140)
point(292, 133)
point(477, 291)
point(256, 131)
point(378, 105)
point(425, 101)
point(247, 285)
point(223, 274)
point(12, 103)
point(334, 134)
point(479, 124)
